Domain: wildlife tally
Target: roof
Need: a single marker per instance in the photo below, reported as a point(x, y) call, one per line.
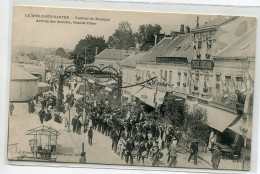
point(184, 49)
point(63, 60)
point(114, 54)
point(243, 47)
point(18, 73)
point(163, 48)
point(25, 59)
point(221, 20)
point(132, 59)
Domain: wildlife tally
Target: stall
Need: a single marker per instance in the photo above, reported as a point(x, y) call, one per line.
point(44, 141)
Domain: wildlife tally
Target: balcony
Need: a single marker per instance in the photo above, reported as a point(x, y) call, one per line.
point(202, 64)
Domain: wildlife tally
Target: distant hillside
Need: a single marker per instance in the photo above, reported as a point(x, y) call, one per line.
point(40, 52)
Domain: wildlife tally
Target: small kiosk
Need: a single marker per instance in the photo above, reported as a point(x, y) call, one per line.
point(39, 148)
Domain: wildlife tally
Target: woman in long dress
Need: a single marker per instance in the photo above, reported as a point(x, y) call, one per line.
point(212, 139)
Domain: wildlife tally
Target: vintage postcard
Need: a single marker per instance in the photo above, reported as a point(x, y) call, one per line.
point(131, 88)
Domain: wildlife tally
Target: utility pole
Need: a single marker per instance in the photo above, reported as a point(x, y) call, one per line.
point(85, 55)
point(119, 92)
point(69, 120)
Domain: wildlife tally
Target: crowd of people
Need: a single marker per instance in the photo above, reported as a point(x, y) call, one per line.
point(133, 135)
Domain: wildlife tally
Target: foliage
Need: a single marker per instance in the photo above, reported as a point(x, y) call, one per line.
point(32, 56)
point(123, 37)
point(86, 48)
point(146, 35)
point(175, 111)
point(60, 52)
point(60, 106)
point(191, 123)
point(196, 124)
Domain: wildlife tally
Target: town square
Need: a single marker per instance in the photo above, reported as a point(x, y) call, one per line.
point(150, 93)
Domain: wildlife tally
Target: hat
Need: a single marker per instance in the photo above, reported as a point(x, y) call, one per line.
point(174, 138)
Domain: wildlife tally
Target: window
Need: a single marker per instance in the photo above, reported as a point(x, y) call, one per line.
point(170, 77)
point(209, 43)
point(228, 79)
point(165, 76)
point(161, 74)
point(206, 85)
point(239, 81)
point(196, 82)
point(218, 81)
point(199, 44)
point(179, 79)
point(101, 66)
point(185, 80)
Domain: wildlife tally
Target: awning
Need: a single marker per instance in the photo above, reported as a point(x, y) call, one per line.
point(146, 95)
point(135, 89)
point(239, 125)
point(159, 98)
point(217, 118)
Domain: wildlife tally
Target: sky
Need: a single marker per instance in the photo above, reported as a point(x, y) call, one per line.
point(28, 32)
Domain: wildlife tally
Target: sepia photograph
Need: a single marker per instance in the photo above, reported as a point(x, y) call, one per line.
point(131, 88)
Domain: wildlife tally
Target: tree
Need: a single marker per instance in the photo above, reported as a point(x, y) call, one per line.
point(146, 35)
point(123, 37)
point(85, 50)
point(60, 52)
point(175, 110)
point(195, 125)
point(191, 123)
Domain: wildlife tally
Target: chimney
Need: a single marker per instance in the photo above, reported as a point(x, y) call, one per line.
point(198, 22)
point(96, 51)
point(182, 29)
point(155, 39)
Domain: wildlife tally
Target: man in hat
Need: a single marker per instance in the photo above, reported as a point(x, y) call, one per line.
point(129, 147)
point(173, 153)
point(155, 154)
point(74, 123)
point(216, 156)
point(142, 151)
point(194, 151)
point(90, 136)
point(149, 145)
